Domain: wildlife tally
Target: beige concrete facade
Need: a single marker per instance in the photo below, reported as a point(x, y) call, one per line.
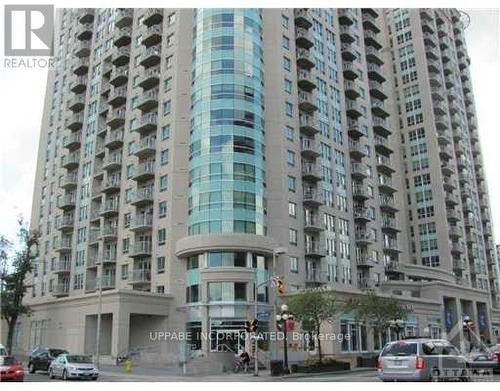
point(112, 189)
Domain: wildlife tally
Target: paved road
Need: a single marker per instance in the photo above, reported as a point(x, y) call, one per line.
point(116, 376)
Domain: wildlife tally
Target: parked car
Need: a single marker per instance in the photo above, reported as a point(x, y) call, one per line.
point(40, 358)
point(11, 369)
point(484, 361)
point(3, 351)
point(421, 359)
point(73, 366)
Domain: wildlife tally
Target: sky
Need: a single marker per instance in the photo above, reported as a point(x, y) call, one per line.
point(21, 105)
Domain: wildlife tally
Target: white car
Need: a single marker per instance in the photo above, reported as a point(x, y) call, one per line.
point(3, 351)
point(73, 366)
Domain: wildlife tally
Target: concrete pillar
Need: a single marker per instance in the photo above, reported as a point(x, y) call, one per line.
point(120, 333)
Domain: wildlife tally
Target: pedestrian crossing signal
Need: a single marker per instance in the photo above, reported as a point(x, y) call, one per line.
point(251, 326)
point(280, 286)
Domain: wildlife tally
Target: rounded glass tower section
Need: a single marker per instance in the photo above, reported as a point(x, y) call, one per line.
point(227, 173)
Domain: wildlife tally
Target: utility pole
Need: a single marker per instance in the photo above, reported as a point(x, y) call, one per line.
point(99, 311)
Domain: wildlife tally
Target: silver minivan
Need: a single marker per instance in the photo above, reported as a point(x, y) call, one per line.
point(421, 359)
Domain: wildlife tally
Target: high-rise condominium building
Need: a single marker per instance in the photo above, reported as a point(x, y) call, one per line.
point(186, 156)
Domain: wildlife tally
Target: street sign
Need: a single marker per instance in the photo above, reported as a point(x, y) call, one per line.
point(263, 315)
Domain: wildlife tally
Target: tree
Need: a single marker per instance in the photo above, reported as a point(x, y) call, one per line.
point(377, 311)
point(311, 307)
point(13, 278)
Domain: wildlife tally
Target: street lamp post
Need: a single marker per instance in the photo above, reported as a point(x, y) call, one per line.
point(276, 252)
point(398, 326)
point(282, 318)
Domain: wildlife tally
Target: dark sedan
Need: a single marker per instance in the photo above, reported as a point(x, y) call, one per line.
point(484, 362)
point(40, 358)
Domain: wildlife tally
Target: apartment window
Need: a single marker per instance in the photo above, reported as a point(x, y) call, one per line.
point(292, 236)
point(171, 19)
point(288, 86)
point(128, 195)
point(167, 107)
point(192, 294)
point(163, 182)
point(124, 271)
point(78, 281)
point(290, 158)
point(168, 84)
point(162, 236)
point(227, 291)
point(125, 245)
point(285, 41)
point(164, 157)
point(294, 264)
point(285, 22)
point(129, 171)
point(292, 209)
point(160, 289)
point(286, 64)
point(160, 265)
point(165, 132)
point(288, 109)
point(170, 40)
point(126, 220)
point(168, 62)
point(162, 209)
point(292, 183)
point(289, 133)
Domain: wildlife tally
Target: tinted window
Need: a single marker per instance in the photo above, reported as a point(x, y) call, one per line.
point(400, 349)
point(57, 352)
point(79, 359)
point(439, 348)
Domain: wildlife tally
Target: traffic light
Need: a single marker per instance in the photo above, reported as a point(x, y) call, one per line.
point(280, 286)
point(251, 326)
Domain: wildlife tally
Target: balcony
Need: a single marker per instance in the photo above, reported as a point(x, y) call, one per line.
point(77, 103)
point(302, 18)
point(151, 56)
point(78, 84)
point(152, 35)
point(309, 125)
point(69, 181)
point(372, 40)
point(458, 265)
point(313, 224)
point(359, 171)
point(94, 234)
point(381, 127)
point(60, 290)
point(144, 171)
point(310, 172)
point(443, 137)
point(360, 192)
point(445, 151)
point(148, 100)
point(377, 90)
point(65, 223)
point(357, 150)
point(348, 52)
point(146, 123)
point(112, 185)
point(354, 129)
point(370, 23)
point(119, 76)
point(143, 196)
point(116, 118)
point(365, 261)
point(304, 59)
point(63, 244)
point(110, 208)
point(124, 17)
point(375, 73)
point(389, 225)
point(118, 96)
point(141, 249)
point(313, 250)
point(387, 204)
point(362, 215)
point(152, 16)
point(75, 121)
point(123, 36)
point(312, 198)
point(384, 165)
point(364, 237)
point(433, 66)
point(112, 162)
point(378, 108)
point(142, 223)
point(346, 16)
point(72, 141)
point(85, 15)
point(430, 39)
point(139, 277)
point(109, 232)
point(455, 232)
point(382, 145)
point(385, 184)
point(307, 102)
point(353, 109)
point(149, 78)
point(347, 34)
point(303, 38)
point(451, 199)
point(82, 49)
point(351, 89)
point(71, 161)
point(449, 184)
point(114, 139)
point(452, 215)
point(391, 246)
point(314, 277)
point(99, 152)
point(305, 80)
point(62, 267)
point(393, 267)
point(349, 70)
point(81, 66)
point(367, 284)
point(120, 56)
point(309, 148)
